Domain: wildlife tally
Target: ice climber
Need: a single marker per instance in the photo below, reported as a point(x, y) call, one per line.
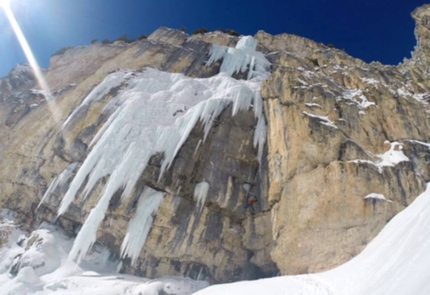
point(250, 203)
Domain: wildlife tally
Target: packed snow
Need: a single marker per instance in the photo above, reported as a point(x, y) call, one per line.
point(22, 68)
point(40, 262)
point(153, 112)
point(396, 262)
point(357, 96)
point(322, 119)
point(422, 97)
point(46, 94)
point(406, 94)
point(377, 197)
point(393, 156)
point(311, 105)
point(371, 81)
point(390, 158)
point(21, 72)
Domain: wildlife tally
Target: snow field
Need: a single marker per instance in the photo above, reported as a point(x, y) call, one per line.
point(45, 268)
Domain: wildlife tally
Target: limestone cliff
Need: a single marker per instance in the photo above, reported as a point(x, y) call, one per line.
point(347, 149)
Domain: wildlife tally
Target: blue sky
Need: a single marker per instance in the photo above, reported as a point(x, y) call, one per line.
point(368, 29)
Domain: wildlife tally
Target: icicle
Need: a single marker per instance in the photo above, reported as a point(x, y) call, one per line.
point(112, 81)
point(216, 53)
point(247, 42)
point(200, 194)
point(242, 100)
point(197, 147)
point(59, 180)
point(199, 276)
point(119, 267)
point(141, 223)
point(148, 117)
point(260, 137)
point(238, 60)
point(88, 233)
point(155, 113)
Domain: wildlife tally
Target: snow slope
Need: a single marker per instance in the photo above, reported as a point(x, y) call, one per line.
point(396, 262)
point(45, 269)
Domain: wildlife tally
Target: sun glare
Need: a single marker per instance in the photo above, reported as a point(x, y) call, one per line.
point(29, 55)
point(4, 3)
point(25, 47)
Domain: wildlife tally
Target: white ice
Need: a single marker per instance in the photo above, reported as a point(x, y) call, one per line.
point(141, 223)
point(200, 194)
point(157, 114)
point(240, 59)
point(422, 143)
point(154, 113)
point(59, 180)
point(112, 81)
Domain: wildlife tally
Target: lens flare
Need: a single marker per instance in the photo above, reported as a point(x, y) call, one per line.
point(4, 3)
point(30, 56)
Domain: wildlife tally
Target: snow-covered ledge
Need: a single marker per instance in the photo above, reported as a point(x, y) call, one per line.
point(377, 197)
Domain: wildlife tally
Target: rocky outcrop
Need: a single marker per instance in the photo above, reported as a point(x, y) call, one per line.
point(419, 63)
point(333, 120)
point(346, 150)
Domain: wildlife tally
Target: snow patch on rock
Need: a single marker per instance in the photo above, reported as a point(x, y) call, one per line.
point(390, 158)
point(377, 197)
point(393, 156)
point(322, 119)
point(312, 105)
point(357, 96)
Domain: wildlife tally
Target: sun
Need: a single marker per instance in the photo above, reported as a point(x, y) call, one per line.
point(4, 3)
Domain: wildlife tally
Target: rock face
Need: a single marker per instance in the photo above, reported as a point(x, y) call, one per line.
point(332, 122)
point(347, 149)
